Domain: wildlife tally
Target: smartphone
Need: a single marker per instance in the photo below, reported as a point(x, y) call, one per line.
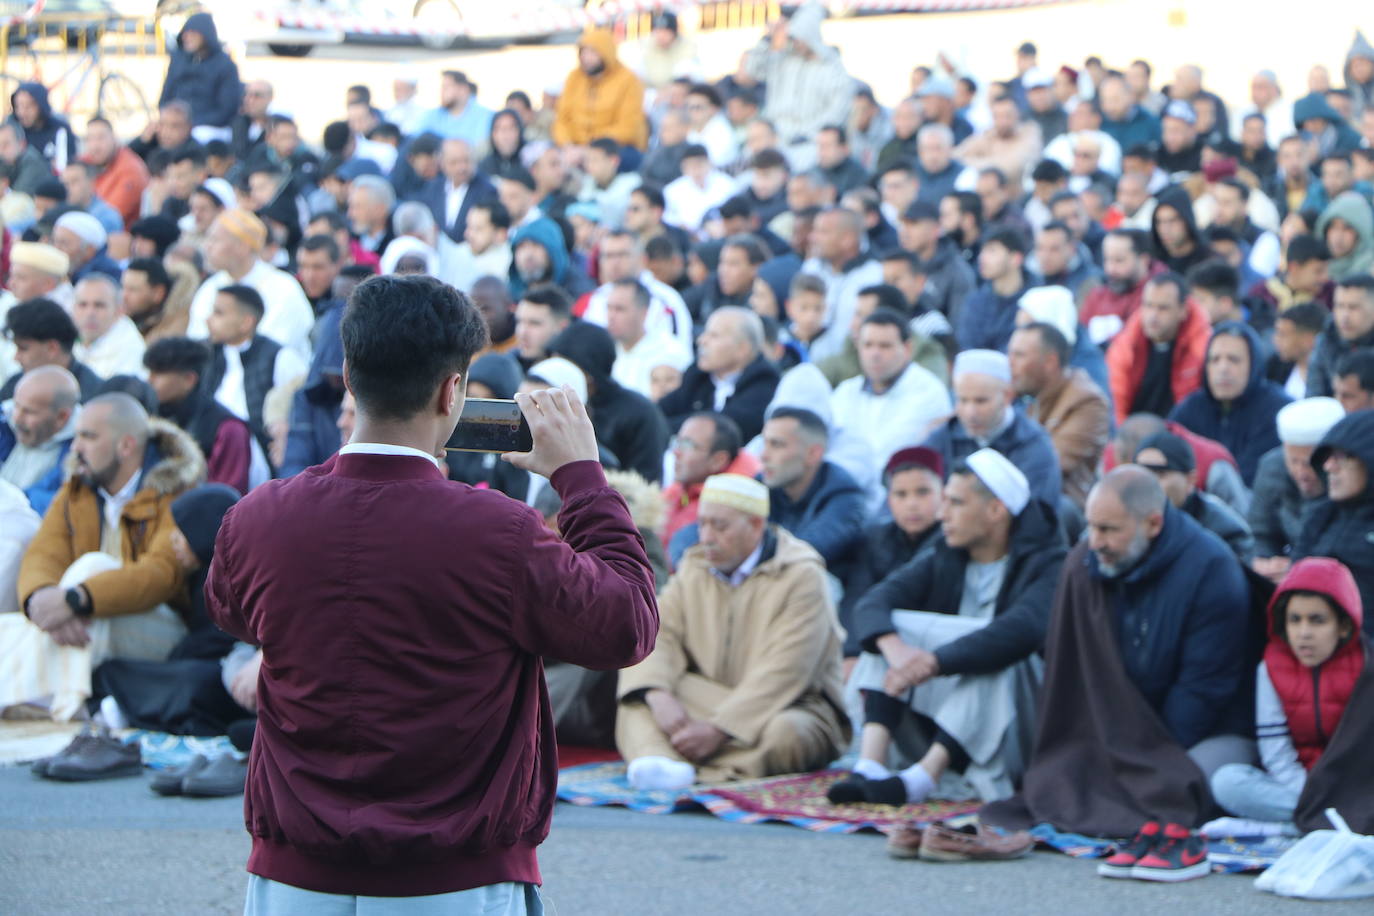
point(491, 425)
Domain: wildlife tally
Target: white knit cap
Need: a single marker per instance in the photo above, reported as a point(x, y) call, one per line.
point(805, 387)
point(1305, 422)
point(983, 362)
point(1052, 305)
point(558, 372)
point(222, 191)
point(738, 492)
point(1003, 478)
point(86, 227)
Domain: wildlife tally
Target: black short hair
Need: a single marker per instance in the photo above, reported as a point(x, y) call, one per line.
point(769, 159)
point(693, 151)
point(1049, 170)
point(1358, 281)
point(1056, 225)
point(1139, 239)
point(134, 387)
point(551, 297)
point(888, 318)
point(1219, 233)
point(970, 204)
point(1306, 316)
point(325, 243)
point(519, 95)
point(642, 297)
point(1143, 151)
point(217, 149)
point(810, 421)
point(385, 131)
point(41, 320)
point(521, 177)
point(652, 194)
point(1060, 197)
point(1009, 237)
point(1053, 341)
point(1337, 157)
point(840, 135)
point(889, 298)
point(706, 91)
point(423, 145)
point(912, 261)
point(1217, 277)
point(334, 218)
point(607, 146)
point(177, 354)
point(1303, 248)
point(1170, 278)
point(189, 151)
point(1359, 363)
point(727, 436)
point(401, 337)
point(496, 212)
point(660, 248)
point(753, 249)
point(153, 269)
point(336, 137)
point(359, 93)
point(246, 298)
point(737, 207)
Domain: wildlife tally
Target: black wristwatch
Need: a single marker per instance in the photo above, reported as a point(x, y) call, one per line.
point(78, 603)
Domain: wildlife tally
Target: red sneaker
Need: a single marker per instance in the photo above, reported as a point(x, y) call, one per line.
point(1180, 855)
point(1121, 862)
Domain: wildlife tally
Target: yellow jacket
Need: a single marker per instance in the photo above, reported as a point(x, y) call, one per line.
point(609, 104)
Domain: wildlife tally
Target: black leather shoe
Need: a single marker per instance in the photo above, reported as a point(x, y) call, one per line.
point(225, 775)
point(168, 782)
point(40, 766)
point(101, 756)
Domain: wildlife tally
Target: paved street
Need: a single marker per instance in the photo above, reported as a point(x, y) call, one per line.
point(113, 848)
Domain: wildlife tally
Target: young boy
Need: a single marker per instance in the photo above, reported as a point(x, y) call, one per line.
point(245, 365)
point(1310, 667)
point(805, 311)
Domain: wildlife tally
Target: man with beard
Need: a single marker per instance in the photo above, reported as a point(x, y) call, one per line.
point(37, 433)
point(101, 571)
point(1126, 265)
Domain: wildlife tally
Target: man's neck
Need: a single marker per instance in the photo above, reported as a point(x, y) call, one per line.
point(724, 374)
point(457, 108)
point(838, 264)
point(928, 252)
point(1007, 284)
point(121, 480)
point(238, 344)
point(416, 435)
point(882, 386)
point(238, 272)
point(629, 343)
point(991, 548)
point(797, 489)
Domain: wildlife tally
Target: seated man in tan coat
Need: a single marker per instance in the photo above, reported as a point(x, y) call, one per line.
point(745, 679)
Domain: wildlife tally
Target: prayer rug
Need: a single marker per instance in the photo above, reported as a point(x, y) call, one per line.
point(1228, 855)
point(596, 784)
point(25, 741)
point(162, 751)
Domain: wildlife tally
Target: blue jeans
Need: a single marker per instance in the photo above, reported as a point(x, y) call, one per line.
point(1247, 791)
point(271, 898)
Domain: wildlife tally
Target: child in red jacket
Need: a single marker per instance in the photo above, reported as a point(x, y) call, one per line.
point(1310, 667)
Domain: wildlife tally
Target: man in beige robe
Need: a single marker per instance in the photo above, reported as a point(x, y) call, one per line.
point(745, 678)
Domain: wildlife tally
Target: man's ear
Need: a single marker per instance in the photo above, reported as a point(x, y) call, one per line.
point(452, 392)
point(1154, 523)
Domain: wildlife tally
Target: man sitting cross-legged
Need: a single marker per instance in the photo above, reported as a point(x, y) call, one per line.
point(745, 678)
point(963, 658)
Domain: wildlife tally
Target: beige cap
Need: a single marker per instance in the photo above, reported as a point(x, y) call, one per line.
point(738, 492)
point(40, 257)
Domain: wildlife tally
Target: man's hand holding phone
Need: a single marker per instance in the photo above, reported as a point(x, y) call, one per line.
point(561, 430)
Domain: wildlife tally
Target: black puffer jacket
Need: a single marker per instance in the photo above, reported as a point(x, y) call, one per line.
point(208, 80)
point(1345, 530)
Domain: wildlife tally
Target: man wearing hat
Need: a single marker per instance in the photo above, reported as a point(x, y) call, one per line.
point(952, 637)
point(985, 417)
point(1171, 460)
point(745, 679)
point(232, 250)
point(1286, 484)
point(79, 236)
point(1341, 524)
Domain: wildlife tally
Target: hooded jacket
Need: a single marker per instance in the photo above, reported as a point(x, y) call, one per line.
point(829, 515)
point(1246, 426)
point(1177, 199)
point(1129, 354)
point(1276, 512)
point(1314, 699)
point(606, 104)
point(626, 422)
point(1024, 443)
point(934, 581)
point(150, 574)
point(949, 278)
point(804, 93)
point(1337, 136)
point(1351, 208)
point(496, 165)
point(207, 81)
point(1345, 530)
point(562, 272)
point(1361, 94)
point(987, 319)
point(50, 136)
point(198, 514)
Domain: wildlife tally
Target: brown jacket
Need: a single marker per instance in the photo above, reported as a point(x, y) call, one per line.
point(1075, 414)
point(176, 308)
point(150, 575)
point(774, 641)
point(610, 104)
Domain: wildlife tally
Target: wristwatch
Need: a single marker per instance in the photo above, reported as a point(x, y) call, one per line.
point(76, 600)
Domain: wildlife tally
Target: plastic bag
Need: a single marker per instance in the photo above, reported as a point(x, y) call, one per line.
point(1324, 865)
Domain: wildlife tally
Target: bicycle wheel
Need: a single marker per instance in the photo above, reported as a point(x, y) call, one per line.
point(8, 84)
point(121, 101)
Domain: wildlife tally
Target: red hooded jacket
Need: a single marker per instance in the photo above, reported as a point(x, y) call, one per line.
point(1130, 352)
point(1315, 698)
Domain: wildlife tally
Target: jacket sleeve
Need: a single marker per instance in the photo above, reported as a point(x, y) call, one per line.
point(50, 552)
point(1318, 374)
point(973, 324)
point(228, 97)
point(837, 527)
point(629, 126)
point(169, 82)
point(677, 404)
point(748, 404)
point(784, 668)
point(1080, 439)
point(564, 122)
point(1015, 633)
point(905, 588)
point(597, 578)
point(135, 588)
point(1265, 522)
point(1210, 670)
point(229, 458)
point(222, 604)
point(1119, 371)
point(667, 663)
point(1277, 754)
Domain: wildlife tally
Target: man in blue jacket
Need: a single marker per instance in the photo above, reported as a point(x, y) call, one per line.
point(202, 75)
point(37, 432)
point(988, 316)
point(314, 431)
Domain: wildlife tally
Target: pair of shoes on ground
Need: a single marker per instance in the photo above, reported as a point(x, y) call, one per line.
point(203, 777)
point(93, 754)
point(942, 843)
point(858, 789)
point(1159, 852)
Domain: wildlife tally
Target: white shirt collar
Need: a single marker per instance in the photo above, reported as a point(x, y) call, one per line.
point(745, 569)
point(383, 448)
point(114, 504)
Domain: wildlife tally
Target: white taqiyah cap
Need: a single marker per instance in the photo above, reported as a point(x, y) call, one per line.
point(558, 372)
point(982, 362)
point(738, 492)
point(1003, 478)
point(86, 227)
point(1052, 305)
point(1307, 421)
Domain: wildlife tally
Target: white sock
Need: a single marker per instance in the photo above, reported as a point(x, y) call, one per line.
point(918, 783)
point(112, 714)
point(871, 769)
point(661, 773)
